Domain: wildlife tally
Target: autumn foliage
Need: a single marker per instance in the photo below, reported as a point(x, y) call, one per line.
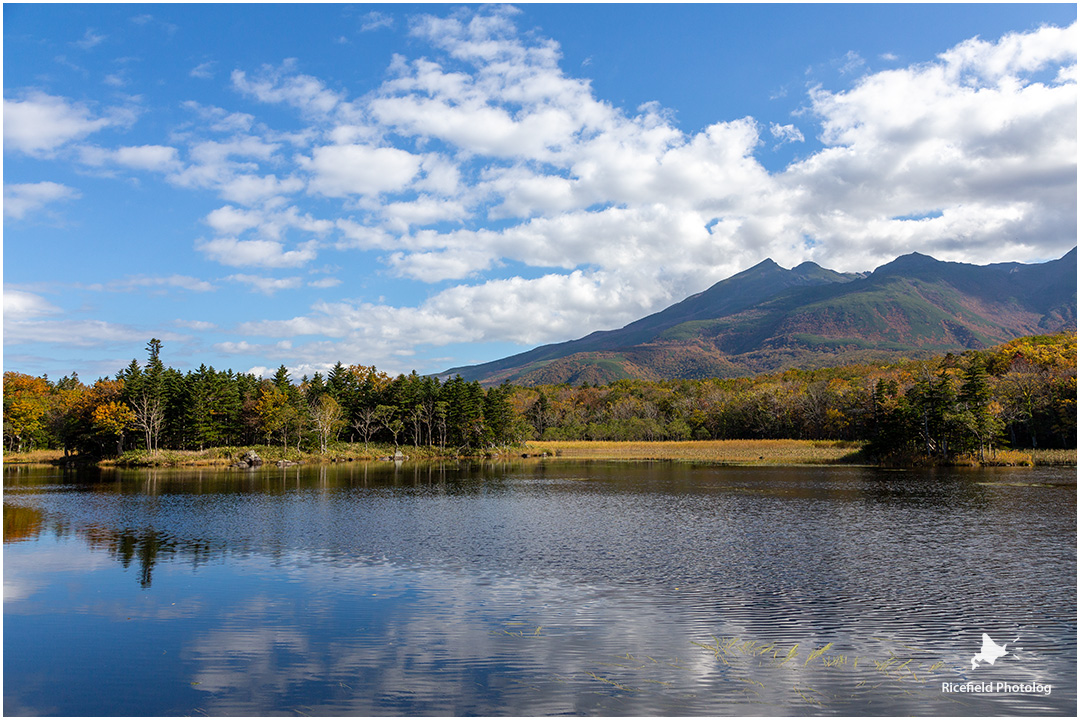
point(1020, 394)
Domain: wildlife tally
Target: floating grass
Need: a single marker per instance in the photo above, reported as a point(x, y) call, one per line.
point(835, 661)
point(799, 692)
point(610, 682)
point(815, 654)
point(791, 653)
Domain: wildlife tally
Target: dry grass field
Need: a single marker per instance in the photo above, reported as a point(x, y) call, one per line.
point(34, 456)
point(736, 452)
point(743, 452)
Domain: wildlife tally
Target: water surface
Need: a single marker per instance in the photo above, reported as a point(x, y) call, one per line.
point(535, 588)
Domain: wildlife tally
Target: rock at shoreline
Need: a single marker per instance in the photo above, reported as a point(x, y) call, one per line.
point(249, 459)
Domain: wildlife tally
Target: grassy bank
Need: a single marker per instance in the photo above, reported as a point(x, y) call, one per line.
point(738, 452)
point(32, 457)
point(743, 452)
point(777, 452)
point(335, 453)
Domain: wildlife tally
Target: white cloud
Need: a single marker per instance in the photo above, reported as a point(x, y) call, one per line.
point(230, 220)
point(231, 167)
point(1014, 54)
point(266, 285)
point(204, 71)
point(400, 216)
point(81, 333)
point(361, 236)
point(39, 124)
point(251, 189)
point(433, 267)
point(197, 325)
point(936, 136)
point(270, 223)
point(282, 85)
point(220, 120)
point(182, 282)
point(257, 253)
point(786, 133)
point(151, 158)
point(90, 39)
point(21, 305)
point(376, 20)
point(852, 62)
point(343, 170)
point(22, 199)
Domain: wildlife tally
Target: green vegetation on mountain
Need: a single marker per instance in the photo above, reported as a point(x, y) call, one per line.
point(768, 319)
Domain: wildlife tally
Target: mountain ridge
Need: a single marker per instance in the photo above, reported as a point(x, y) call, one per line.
point(768, 318)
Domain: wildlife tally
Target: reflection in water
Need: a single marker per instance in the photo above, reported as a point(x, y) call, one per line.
point(21, 523)
point(146, 546)
point(530, 589)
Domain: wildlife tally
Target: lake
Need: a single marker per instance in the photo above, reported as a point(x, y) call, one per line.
point(539, 587)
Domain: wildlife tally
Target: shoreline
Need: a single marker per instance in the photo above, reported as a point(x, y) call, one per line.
point(727, 452)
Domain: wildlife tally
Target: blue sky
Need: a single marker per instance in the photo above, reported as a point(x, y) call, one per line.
point(426, 186)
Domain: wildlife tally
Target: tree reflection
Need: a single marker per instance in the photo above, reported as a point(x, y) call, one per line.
point(146, 547)
point(21, 523)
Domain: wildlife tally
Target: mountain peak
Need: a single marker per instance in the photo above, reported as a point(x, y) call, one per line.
point(767, 318)
point(766, 265)
point(913, 261)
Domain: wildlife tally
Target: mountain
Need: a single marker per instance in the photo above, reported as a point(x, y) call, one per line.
point(767, 319)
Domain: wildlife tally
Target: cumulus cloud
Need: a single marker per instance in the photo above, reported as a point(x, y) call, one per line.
point(268, 223)
point(266, 285)
point(283, 85)
point(22, 305)
point(39, 124)
point(23, 199)
point(204, 71)
point(151, 158)
point(936, 136)
point(376, 20)
point(344, 170)
point(786, 133)
point(256, 253)
point(90, 39)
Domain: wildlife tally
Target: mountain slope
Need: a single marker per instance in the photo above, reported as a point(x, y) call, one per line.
point(768, 318)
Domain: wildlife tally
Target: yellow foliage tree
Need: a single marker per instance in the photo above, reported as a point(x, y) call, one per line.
point(26, 402)
point(114, 419)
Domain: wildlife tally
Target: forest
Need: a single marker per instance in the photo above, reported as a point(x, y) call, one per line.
point(1021, 395)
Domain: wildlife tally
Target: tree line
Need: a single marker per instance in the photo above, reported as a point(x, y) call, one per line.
point(151, 407)
point(1020, 394)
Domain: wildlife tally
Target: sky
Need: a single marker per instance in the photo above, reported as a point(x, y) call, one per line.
point(420, 187)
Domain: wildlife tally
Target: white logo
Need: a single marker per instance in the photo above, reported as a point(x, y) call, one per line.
point(990, 652)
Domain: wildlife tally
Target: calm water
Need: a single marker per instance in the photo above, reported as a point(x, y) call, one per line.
point(538, 588)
